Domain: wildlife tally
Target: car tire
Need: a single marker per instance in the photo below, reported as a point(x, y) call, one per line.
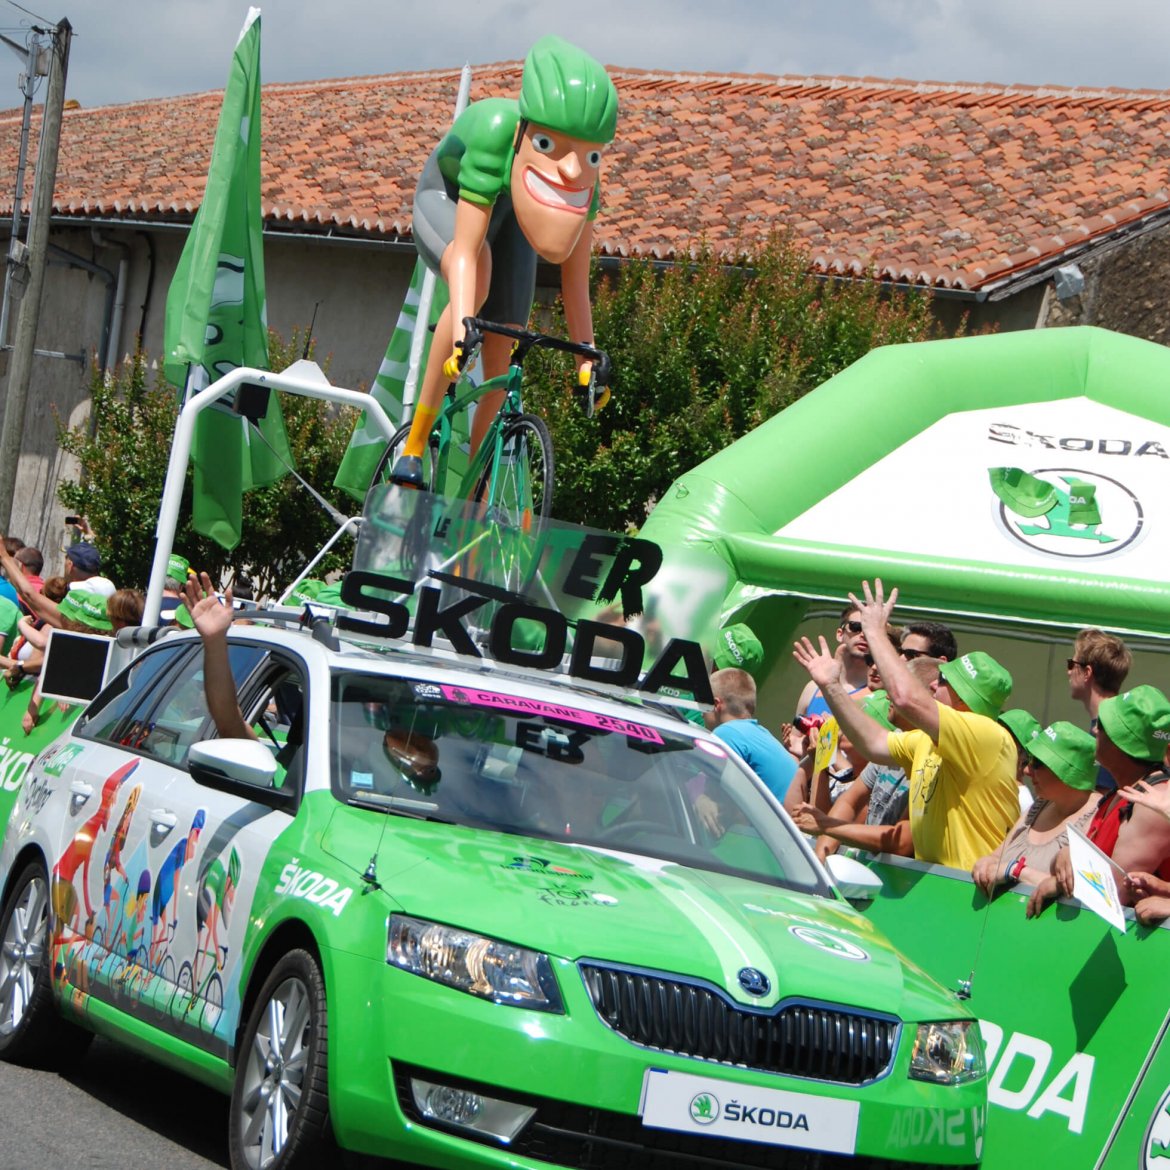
point(31, 1030)
point(279, 1117)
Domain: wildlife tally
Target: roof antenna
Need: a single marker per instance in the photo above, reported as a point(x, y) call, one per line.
point(309, 335)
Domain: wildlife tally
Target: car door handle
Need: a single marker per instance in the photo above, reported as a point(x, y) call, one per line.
point(80, 789)
point(164, 819)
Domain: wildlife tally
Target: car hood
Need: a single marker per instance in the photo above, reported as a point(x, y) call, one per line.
point(579, 902)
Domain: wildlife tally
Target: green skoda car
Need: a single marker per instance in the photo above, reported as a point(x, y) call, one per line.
point(459, 914)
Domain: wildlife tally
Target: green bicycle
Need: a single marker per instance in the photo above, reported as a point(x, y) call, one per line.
point(508, 480)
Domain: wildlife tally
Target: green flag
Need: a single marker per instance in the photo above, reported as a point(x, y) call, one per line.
point(367, 443)
point(216, 316)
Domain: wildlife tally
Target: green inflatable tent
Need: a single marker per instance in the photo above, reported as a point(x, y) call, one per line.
point(1016, 476)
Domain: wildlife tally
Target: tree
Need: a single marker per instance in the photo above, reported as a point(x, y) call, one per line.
point(702, 353)
point(123, 448)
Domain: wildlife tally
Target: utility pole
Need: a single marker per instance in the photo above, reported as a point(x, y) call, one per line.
point(36, 65)
point(40, 214)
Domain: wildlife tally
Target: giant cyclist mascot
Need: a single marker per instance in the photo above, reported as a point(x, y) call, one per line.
point(510, 181)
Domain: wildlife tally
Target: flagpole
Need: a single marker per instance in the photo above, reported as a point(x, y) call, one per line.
point(427, 293)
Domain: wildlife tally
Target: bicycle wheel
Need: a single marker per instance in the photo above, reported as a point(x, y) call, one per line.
point(517, 502)
point(184, 995)
point(97, 953)
point(430, 459)
point(213, 1002)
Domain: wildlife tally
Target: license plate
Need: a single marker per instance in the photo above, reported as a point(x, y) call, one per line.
point(705, 1105)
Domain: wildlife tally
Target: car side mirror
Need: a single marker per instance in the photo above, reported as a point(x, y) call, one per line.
point(245, 761)
point(856, 881)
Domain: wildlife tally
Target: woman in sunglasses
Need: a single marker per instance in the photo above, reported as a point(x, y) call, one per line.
point(1063, 775)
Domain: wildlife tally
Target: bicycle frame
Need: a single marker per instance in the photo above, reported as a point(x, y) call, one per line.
point(496, 504)
point(456, 404)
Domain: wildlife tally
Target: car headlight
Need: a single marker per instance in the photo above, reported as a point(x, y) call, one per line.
point(948, 1052)
point(469, 962)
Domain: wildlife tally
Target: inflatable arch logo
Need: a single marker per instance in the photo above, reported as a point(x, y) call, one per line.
point(1066, 512)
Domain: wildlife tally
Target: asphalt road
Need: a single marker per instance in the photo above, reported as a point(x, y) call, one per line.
point(114, 1111)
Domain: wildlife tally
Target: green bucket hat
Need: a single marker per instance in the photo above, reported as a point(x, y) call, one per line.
point(1022, 725)
point(331, 595)
point(1138, 722)
point(1023, 494)
point(979, 681)
point(1082, 502)
point(79, 605)
point(738, 646)
point(178, 567)
point(307, 590)
point(1068, 751)
point(877, 707)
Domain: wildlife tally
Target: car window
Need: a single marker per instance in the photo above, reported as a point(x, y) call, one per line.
point(117, 713)
point(272, 699)
point(498, 762)
point(159, 708)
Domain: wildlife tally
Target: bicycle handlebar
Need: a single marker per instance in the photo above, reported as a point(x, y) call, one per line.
point(476, 327)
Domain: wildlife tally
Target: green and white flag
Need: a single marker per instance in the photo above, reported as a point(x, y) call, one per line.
point(367, 443)
point(216, 316)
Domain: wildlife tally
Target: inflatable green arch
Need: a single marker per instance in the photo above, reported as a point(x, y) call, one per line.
point(1016, 476)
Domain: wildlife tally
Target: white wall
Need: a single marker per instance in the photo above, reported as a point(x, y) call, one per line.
point(360, 290)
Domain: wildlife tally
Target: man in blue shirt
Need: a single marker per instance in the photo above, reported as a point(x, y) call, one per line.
point(732, 719)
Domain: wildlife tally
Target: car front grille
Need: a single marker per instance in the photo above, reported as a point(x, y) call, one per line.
point(599, 1139)
point(821, 1041)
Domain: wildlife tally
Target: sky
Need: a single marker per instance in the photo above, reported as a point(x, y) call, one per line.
point(131, 50)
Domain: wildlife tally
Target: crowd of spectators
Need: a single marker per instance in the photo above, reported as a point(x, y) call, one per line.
point(80, 600)
point(940, 771)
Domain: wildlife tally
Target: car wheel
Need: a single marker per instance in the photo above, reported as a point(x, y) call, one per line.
point(30, 1028)
point(279, 1112)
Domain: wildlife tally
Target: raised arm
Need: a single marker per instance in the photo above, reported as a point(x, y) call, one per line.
point(869, 736)
point(908, 694)
point(213, 619)
point(36, 602)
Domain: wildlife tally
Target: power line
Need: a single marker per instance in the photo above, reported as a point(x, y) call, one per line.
point(28, 11)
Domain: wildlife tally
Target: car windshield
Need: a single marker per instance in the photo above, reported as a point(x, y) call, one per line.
point(489, 760)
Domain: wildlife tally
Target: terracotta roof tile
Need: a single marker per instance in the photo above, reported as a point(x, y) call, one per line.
point(950, 185)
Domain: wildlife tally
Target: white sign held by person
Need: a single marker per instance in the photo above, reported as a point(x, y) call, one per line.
point(1094, 884)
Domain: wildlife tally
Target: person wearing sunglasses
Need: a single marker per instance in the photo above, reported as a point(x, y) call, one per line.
point(851, 652)
point(928, 639)
point(1097, 671)
point(1059, 765)
point(960, 761)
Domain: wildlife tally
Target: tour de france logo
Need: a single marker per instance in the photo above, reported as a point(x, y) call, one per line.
point(704, 1109)
point(1066, 512)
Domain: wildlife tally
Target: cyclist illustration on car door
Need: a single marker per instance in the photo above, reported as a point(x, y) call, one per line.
point(511, 181)
point(130, 943)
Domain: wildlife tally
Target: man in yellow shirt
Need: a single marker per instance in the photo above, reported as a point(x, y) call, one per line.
point(961, 762)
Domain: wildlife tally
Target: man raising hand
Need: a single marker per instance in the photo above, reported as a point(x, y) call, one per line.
point(960, 761)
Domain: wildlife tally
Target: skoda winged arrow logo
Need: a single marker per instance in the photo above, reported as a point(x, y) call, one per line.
point(754, 982)
point(1066, 512)
point(704, 1109)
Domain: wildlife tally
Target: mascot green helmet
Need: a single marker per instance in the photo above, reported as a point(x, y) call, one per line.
point(566, 90)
